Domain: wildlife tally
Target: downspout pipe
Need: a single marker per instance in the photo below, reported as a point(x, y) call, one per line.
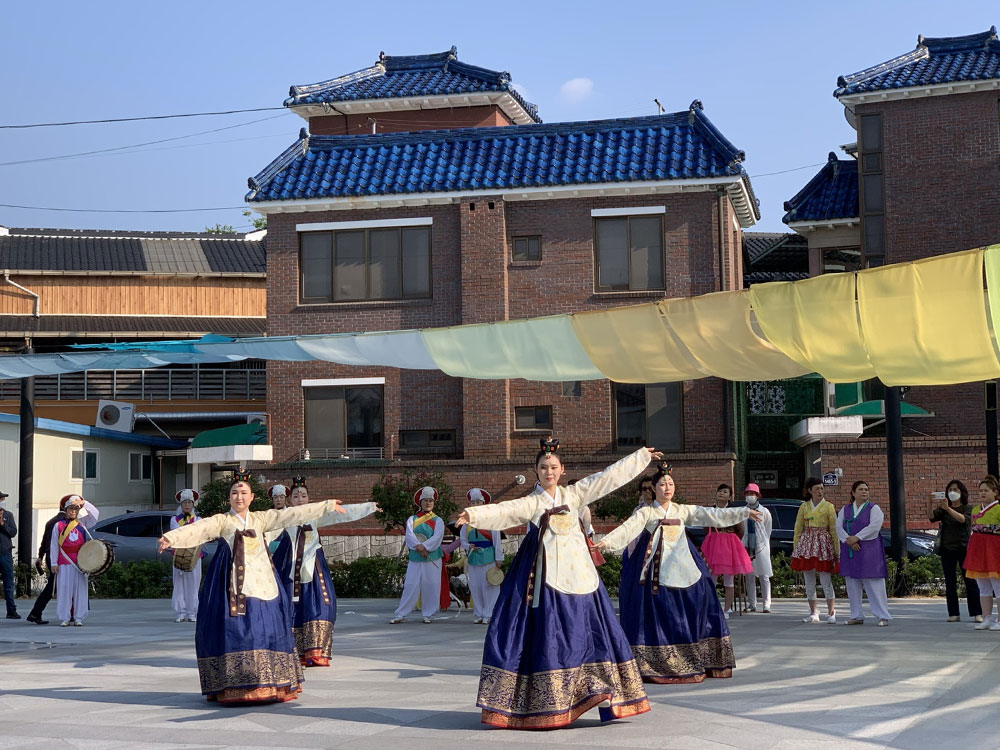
point(7, 279)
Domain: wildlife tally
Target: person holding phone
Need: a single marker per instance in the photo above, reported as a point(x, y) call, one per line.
point(952, 509)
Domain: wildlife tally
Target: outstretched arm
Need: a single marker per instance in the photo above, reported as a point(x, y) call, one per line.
point(299, 515)
point(194, 534)
point(352, 512)
point(620, 473)
point(619, 538)
point(717, 517)
point(501, 515)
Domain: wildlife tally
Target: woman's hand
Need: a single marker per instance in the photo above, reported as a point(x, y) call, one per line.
point(657, 455)
point(756, 515)
point(852, 541)
point(463, 518)
point(337, 507)
point(164, 545)
point(600, 545)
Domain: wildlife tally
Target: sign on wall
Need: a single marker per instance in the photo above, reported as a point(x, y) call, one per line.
point(765, 479)
point(830, 479)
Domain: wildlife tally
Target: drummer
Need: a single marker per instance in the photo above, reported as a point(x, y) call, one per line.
point(186, 580)
point(485, 555)
point(68, 536)
point(279, 500)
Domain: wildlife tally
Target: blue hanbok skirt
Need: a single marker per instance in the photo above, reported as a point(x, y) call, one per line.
point(247, 658)
point(677, 634)
point(546, 665)
point(315, 613)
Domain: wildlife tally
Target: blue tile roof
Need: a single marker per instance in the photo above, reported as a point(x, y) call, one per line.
point(953, 59)
point(831, 194)
point(394, 77)
point(683, 145)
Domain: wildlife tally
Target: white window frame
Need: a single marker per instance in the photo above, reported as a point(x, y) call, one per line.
point(140, 480)
point(97, 465)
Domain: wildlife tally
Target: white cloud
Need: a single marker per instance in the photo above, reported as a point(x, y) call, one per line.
point(576, 90)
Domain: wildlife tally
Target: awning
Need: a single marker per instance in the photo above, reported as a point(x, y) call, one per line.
point(240, 443)
point(876, 409)
point(254, 433)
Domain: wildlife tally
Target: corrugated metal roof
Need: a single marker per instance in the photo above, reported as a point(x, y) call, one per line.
point(128, 325)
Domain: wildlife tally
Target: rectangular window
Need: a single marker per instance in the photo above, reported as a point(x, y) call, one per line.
point(140, 467)
point(83, 465)
point(629, 253)
point(426, 440)
point(649, 415)
point(533, 418)
point(571, 388)
point(365, 264)
point(872, 197)
point(341, 417)
point(527, 248)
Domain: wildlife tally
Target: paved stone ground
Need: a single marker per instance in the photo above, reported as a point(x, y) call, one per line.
point(128, 680)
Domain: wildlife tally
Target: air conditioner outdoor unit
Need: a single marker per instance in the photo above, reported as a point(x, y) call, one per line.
point(257, 419)
point(115, 415)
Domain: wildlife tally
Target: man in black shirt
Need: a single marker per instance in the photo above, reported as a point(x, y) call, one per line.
point(8, 530)
point(42, 565)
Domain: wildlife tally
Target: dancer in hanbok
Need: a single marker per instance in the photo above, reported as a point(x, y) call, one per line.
point(244, 642)
point(757, 541)
point(724, 551)
point(814, 550)
point(424, 567)
point(303, 570)
point(554, 648)
point(186, 582)
point(68, 535)
point(279, 499)
point(673, 621)
point(982, 561)
point(484, 552)
point(862, 556)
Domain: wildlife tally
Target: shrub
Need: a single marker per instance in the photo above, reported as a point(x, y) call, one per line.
point(144, 579)
point(611, 573)
point(394, 495)
point(369, 577)
point(214, 497)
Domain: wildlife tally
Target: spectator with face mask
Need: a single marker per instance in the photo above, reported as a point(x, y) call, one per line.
point(953, 510)
point(757, 541)
point(8, 530)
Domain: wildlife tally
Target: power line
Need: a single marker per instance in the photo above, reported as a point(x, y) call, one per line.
point(136, 119)
point(125, 210)
point(133, 145)
point(786, 171)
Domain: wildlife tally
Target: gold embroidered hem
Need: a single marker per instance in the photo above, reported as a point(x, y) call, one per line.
point(686, 662)
point(314, 638)
point(255, 695)
point(247, 671)
point(546, 700)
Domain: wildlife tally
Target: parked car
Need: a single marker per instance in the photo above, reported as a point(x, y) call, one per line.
point(134, 536)
point(783, 512)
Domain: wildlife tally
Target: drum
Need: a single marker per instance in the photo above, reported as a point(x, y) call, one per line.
point(494, 576)
point(95, 557)
point(186, 558)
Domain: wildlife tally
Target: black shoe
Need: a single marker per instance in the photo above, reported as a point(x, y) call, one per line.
point(36, 619)
point(13, 616)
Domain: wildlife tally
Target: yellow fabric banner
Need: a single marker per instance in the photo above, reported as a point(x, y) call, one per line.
point(542, 349)
point(992, 257)
point(634, 345)
point(815, 323)
point(925, 322)
point(716, 330)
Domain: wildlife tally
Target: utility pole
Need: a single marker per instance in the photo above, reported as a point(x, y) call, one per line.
point(897, 491)
point(26, 462)
point(992, 460)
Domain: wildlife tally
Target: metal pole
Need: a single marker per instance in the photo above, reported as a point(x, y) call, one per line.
point(26, 462)
point(897, 492)
point(992, 460)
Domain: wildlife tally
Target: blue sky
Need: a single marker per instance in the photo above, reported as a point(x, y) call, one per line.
point(764, 71)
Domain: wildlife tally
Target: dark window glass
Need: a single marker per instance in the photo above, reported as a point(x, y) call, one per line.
point(533, 418)
point(649, 415)
point(383, 264)
point(441, 438)
point(84, 464)
point(871, 133)
point(872, 191)
point(784, 516)
point(416, 262)
point(413, 438)
point(317, 266)
point(349, 266)
point(871, 162)
point(571, 388)
point(874, 236)
point(841, 259)
point(645, 253)
point(527, 248)
point(426, 439)
point(364, 417)
point(140, 526)
point(140, 466)
point(612, 257)
point(325, 418)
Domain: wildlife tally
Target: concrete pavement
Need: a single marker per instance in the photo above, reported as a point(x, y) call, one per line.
point(128, 679)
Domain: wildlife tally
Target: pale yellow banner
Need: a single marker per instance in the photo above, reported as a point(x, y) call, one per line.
point(925, 322)
point(815, 323)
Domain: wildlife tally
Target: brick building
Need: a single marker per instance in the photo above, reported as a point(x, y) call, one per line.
point(922, 182)
point(426, 192)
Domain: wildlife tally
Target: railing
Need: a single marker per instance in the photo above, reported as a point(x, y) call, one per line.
point(204, 383)
point(326, 454)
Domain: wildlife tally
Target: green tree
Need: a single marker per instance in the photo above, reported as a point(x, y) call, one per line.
point(221, 229)
point(259, 222)
point(394, 495)
point(214, 497)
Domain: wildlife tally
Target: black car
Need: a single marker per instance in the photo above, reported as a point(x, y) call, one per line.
point(783, 512)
